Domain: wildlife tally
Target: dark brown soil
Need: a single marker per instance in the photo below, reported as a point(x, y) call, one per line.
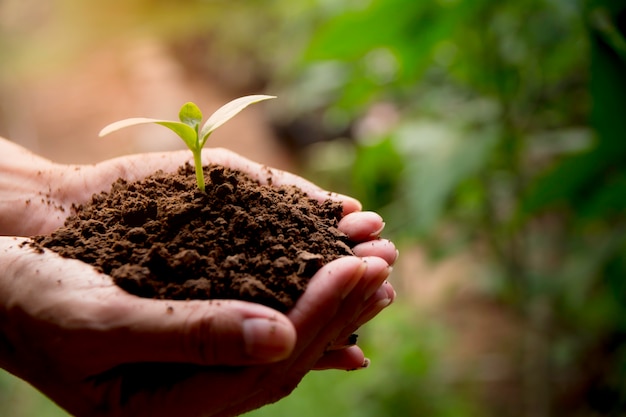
point(163, 238)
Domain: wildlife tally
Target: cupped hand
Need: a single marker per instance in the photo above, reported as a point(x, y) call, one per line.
point(97, 350)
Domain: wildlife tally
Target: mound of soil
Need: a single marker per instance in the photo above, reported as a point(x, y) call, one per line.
point(162, 238)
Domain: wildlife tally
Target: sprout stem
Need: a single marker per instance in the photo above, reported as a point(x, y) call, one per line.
point(197, 162)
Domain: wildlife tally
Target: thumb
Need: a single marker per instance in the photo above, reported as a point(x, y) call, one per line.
point(215, 332)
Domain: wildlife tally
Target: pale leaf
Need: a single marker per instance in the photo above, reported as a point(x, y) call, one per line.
point(227, 112)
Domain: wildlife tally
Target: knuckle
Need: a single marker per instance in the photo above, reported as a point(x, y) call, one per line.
point(199, 338)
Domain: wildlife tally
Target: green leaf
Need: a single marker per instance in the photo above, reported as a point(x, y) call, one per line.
point(439, 157)
point(190, 115)
point(605, 25)
point(227, 112)
point(186, 132)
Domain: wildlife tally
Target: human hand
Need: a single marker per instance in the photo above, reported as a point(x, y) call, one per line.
point(99, 351)
point(96, 349)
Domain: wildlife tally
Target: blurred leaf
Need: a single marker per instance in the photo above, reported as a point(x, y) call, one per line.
point(562, 181)
point(608, 202)
point(408, 32)
point(579, 177)
point(376, 173)
point(602, 21)
point(440, 157)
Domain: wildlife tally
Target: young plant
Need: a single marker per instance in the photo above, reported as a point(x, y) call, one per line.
point(189, 126)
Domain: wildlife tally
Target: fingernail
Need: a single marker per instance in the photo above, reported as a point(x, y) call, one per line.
point(267, 339)
point(393, 295)
point(383, 304)
point(381, 298)
point(366, 364)
point(379, 231)
point(358, 274)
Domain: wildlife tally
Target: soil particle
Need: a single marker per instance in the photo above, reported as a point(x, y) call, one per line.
point(163, 238)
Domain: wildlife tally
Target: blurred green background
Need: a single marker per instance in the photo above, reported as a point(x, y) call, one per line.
point(491, 135)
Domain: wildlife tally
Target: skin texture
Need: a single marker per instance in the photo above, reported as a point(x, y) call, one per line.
point(99, 351)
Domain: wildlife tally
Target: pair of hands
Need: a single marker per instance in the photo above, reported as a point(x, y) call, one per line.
point(99, 351)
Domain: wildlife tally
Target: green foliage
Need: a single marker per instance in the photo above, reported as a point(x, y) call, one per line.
point(376, 173)
point(188, 129)
point(510, 138)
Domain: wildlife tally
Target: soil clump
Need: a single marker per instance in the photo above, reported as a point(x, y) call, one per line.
point(161, 237)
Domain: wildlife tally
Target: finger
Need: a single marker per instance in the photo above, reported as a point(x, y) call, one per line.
point(383, 298)
point(336, 295)
point(362, 226)
point(324, 295)
point(214, 332)
point(382, 248)
point(349, 358)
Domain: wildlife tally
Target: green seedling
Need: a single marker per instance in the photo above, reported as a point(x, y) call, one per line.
point(189, 126)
